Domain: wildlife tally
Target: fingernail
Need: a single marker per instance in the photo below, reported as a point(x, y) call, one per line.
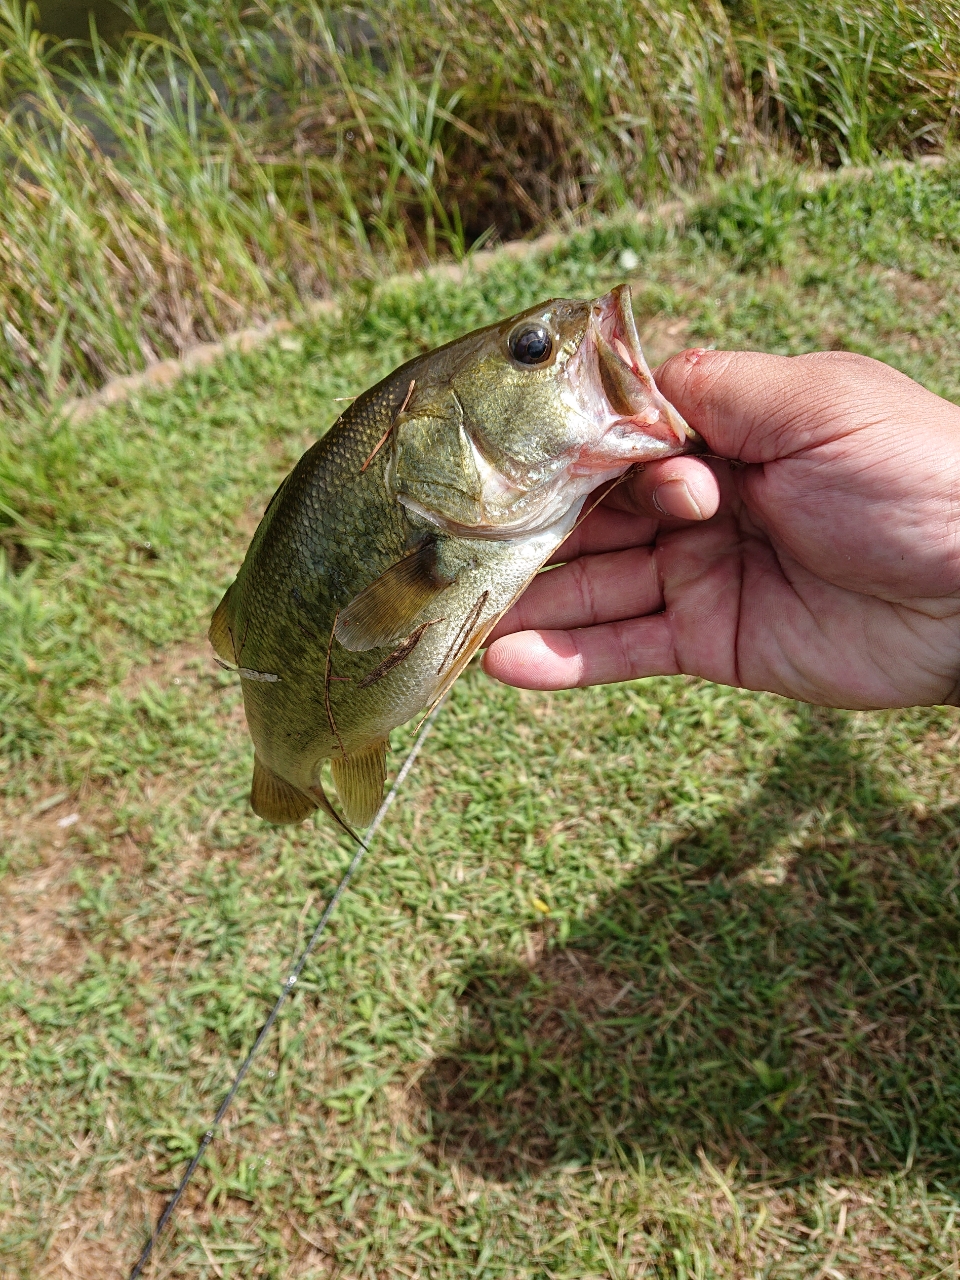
point(673, 498)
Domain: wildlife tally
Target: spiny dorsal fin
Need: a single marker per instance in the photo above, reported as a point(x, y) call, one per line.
point(276, 800)
point(388, 606)
point(359, 779)
point(219, 633)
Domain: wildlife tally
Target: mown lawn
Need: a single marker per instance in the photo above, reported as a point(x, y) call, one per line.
point(658, 979)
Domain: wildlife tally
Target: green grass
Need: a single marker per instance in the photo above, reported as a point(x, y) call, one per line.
point(729, 1046)
point(168, 188)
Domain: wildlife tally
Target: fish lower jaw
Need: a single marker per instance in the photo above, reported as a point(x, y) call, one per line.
point(613, 454)
point(548, 514)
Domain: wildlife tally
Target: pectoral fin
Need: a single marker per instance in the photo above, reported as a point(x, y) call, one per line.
point(219, 633)
point(387, 608)
point(274, 799)
point(359, 779)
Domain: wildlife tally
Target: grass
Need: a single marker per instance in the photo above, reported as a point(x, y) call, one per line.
point(659, 979)
point(222, 161)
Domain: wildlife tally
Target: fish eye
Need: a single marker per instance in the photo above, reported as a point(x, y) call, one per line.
point(531, 344)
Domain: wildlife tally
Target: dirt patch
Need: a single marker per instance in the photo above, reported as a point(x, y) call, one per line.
point(577, 982)
point(176, 665)
point(46, 846)
point(663, 338)
point(34, 906)
point(94, 1239)
point(36, 900)
point(249, 521)
point(911, 289)
point(104, 1229)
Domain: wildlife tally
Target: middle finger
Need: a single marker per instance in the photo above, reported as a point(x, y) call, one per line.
point(587, 591)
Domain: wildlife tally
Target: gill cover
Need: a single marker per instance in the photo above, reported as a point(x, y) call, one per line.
point(434, 465)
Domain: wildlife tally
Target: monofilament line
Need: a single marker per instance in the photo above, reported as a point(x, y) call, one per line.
point(287, 987)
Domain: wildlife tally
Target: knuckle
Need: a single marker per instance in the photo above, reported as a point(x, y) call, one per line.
point(847, 367)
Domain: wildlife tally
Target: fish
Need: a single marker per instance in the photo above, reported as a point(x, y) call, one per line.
point(402, 536)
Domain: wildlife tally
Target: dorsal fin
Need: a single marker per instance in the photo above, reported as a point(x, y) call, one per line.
point(359, 779)
point(275, 799)
point(219, 633)
point(387, 608)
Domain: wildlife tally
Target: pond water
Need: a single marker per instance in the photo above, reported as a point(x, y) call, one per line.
point(70, 19)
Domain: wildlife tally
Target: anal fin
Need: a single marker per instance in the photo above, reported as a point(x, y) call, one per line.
point(388, 607)
point(323, 800)
point(359, 779)
point(276, 800)
point(219, 633)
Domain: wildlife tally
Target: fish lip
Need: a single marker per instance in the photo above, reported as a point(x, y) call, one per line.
point(612, 320)
point(616, 344)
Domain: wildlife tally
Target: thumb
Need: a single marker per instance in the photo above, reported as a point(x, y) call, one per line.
point(757, 407)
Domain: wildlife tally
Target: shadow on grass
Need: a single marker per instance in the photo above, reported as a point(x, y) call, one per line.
point(810, 1026)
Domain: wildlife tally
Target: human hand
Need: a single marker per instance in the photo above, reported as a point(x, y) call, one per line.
point(822, 562)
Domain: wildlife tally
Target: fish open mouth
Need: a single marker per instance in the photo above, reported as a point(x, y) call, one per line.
point(634, 402)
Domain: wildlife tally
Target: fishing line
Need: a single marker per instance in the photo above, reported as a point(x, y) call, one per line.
point(362, 848)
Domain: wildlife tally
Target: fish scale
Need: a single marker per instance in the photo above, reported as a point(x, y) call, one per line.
point(400, 537)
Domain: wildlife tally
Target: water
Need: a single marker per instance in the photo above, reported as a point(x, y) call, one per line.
point(70, 19)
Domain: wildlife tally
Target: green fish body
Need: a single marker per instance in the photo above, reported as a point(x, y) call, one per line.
point(398, 540)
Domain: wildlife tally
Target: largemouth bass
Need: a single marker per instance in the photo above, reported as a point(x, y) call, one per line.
point(400, 538)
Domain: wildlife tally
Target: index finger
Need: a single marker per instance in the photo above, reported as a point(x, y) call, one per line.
point(665, 494)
